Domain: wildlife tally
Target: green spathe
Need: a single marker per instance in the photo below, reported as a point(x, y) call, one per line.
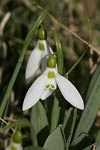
point(52, 61)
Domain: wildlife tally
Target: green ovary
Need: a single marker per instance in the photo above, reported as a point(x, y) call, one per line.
point(42, 34)
point(51, 63)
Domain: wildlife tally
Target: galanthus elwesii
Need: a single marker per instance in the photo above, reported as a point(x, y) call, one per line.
point(44, 86)
point(40, 54)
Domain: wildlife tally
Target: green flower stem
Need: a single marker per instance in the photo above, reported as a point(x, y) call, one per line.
point(20, 60)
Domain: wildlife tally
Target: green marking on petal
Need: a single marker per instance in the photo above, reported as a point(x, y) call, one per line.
point(47, 86)
point(50, 86)
point(51, 74)
point(41, 46)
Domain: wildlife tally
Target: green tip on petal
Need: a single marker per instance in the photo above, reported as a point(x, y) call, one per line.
point(52, 61)
point(17, 137)
point(42, 34)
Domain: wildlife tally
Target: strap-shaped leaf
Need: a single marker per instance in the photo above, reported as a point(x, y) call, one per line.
point(38, 117)
point(91, 108)
point(56, 140)
point(55, 114)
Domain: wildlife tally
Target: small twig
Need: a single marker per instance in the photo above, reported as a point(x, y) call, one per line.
point(94, 147)
point(90, 60)
point(63, 26)
point(75, 35)
point(3, 22)
point(72, 68)
point(6, 124)
point(94, 66)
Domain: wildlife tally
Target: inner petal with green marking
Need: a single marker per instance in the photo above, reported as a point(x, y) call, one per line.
point(41, 46)
point(51, 74)
point(51, 84)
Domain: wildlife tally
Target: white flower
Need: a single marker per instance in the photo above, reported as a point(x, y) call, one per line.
point(44, 86)
point(39, 55)
point(14, 146)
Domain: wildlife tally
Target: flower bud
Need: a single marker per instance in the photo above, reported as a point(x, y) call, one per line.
point(52, 61)
point(42, 34)
point(17, 137)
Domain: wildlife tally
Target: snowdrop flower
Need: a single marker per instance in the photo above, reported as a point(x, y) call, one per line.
point(15, 144)
point(44, 86)
point(40, 54)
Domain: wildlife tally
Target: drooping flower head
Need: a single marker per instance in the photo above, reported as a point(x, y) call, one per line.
point(39, 55)
point(44, 86)
point(15, 144)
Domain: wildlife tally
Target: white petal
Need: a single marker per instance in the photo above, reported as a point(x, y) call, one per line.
point(46, 93)
point(69, 92)
point(33, 64)
point(51, 51)
point(34, 92)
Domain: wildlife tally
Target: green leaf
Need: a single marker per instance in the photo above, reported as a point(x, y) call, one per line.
point(18, 123)
point(56, 140)
point(93, 81)
point(72, 125)
point(97, 137)
point(67, 117)
point(34, 148)
point(55, 115)
point(33, 137)
point(28, 38)
point(38, 117)
point(91, 108)
point(59, 52)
